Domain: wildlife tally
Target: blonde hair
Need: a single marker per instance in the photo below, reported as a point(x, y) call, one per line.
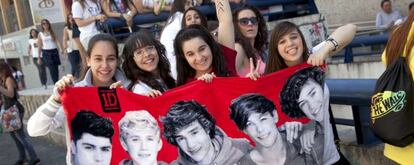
point(134, 121)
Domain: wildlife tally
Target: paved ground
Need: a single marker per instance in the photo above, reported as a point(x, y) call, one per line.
point(48, 153)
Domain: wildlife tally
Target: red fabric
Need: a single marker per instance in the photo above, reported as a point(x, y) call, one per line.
point(230, 57)
point(216, 96)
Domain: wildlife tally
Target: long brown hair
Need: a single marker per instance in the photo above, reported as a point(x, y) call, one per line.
point(5, 71)
point(276, 61)
point(260, 39)
point(398, 41)
point(50, 29)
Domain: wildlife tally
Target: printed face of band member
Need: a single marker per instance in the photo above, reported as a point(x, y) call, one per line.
point(147, 58)
point(198, 55)
point(290, 47)
point(248, 23)
point(311, 100)
point(262, 128)
point(92, 150)
point(143, 146)
point(192, 18)
point(103, 61)
point(194, 141)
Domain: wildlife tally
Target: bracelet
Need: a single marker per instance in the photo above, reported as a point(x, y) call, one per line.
point(334, 42)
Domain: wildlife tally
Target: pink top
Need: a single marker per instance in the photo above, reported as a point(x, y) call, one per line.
point(245, 70)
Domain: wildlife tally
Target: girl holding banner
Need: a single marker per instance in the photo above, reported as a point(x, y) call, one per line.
point(146, 65)
point(102, 70)
point(287, 48)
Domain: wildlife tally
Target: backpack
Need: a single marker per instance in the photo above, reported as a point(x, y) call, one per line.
point(392, 110)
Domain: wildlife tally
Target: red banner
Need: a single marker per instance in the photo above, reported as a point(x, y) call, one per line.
point(215, 96)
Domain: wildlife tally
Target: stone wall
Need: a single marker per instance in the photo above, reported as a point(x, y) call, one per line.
point(346, 11)
point(31, 103)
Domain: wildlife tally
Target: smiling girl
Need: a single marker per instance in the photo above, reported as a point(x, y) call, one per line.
point(102, 62)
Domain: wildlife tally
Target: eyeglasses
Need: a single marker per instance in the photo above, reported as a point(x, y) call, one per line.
point(45, 23)
point(247, 21)
point(141, 52)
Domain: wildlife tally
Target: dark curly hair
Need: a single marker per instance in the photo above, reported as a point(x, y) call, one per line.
point(201, 15)
point(243, 106)
point(261, 37)
point(291, 90)
point(184, 70)
point(87, 121)
point(134, 73)
point(183, 113)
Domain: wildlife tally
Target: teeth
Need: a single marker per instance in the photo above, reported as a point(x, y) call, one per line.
point(292, 51)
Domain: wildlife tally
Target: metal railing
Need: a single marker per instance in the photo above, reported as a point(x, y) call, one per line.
point(357, 94)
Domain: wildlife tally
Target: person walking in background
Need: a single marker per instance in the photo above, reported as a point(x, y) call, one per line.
point(48, 49)
point(70, 48)
point(33, 51)
point(387, 16)
point(9, 97)
point(400, 43)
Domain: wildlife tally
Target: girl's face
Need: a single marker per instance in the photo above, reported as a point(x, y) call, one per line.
point(188, 4)
point(33, 33)
point(192, 18)
point(248, 23)
point(45, 25)
point(71, 21)
point(102, 62)
point(290, 47)
point(146, 58)
point(198, 55)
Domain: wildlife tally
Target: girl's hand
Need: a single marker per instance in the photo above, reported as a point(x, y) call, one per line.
point(208, 78)
point(154, 94)
point(64, 82)
point(39, 61)
point(254, 72)
point(117, 84)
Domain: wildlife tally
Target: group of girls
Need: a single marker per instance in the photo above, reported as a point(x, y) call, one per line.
point(240, 50)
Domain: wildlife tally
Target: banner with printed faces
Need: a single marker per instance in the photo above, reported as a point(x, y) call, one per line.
point(228, 121)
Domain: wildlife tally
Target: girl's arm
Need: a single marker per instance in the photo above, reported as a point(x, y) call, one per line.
point(107, 11)
point(226, 27)
point(9, 90)
point(65, 39)
point(341, 37)
point(29, 50)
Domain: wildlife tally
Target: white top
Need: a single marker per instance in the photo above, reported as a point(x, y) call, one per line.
point(34, 51)
point(167, 39)
point(47, 42)
point(141, 88)
point(91, 9)
point(70, 42)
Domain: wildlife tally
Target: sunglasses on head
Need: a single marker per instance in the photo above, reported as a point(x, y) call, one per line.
point(247, 21)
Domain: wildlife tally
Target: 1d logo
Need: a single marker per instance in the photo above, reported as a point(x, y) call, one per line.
point(109, 100)
point(46, 4)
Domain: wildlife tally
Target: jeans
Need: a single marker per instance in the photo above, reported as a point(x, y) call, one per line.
point(23, 144)
point(74, 59)
point(42, 71)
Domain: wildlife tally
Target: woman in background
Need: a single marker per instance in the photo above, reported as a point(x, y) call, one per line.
point(33, 51)
point(70, 47)
point(49, 47)
point(9, 97)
